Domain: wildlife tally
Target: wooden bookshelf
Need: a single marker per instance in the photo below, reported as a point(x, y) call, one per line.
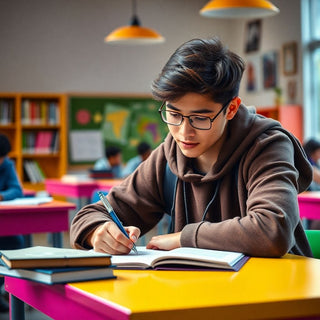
point(290, 117)
point(37, 129)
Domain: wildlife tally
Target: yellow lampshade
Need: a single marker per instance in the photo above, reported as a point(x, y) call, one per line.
point(239, 9)
point(134, 35)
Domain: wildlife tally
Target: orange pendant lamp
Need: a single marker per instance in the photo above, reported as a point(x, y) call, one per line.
point(134, 33)
point(239, 9)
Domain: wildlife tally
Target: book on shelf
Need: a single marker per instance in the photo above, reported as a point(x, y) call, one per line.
point(33, 171)
point(48, 257)
point(60, 275)
point(180, 259)
point(39, 112)
point(40, 142)
point(6, 111)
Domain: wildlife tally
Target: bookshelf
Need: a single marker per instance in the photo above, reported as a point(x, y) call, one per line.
point(290, 117)
point(36, 126)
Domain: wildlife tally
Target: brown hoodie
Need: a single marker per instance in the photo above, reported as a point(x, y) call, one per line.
point(259, 171)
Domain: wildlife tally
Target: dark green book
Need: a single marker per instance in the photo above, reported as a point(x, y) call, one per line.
point(49, 257)
point(60, 275)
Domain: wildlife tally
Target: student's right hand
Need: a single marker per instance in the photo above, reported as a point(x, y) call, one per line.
point(108, 238)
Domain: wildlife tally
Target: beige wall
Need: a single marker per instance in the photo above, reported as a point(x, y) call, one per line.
point(57, 45)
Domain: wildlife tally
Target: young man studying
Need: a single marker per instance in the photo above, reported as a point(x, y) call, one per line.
point(238, 173)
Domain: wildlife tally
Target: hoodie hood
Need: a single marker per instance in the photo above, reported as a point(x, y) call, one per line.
point(243, 131)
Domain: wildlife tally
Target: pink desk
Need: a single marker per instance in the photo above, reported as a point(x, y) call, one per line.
point(47, 217)
point(80, 190)
point(108, 184)
point(284, 288)
point(75, 189)
point(309, 205)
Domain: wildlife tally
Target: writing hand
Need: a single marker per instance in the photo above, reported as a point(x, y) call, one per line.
point(108, 238)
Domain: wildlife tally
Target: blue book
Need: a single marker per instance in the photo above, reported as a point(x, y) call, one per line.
point(60, 275)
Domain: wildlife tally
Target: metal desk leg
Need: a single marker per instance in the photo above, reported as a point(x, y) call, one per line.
point(16, 308)
point(57, 239)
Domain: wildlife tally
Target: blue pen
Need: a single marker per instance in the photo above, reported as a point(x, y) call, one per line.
point(114, 218)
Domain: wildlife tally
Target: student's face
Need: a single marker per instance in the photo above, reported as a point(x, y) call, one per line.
point(195, 143)
point(316, 155)
point(1, 160)
point(115, 160)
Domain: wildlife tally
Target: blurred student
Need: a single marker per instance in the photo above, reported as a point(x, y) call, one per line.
point(312, 149)
point(10, 189)
point(112, 161)
point(143, 150)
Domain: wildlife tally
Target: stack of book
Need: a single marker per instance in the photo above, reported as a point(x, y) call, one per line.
point(55, 265)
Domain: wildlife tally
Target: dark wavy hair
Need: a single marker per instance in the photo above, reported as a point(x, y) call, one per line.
point(201, 66)
point(5, 146)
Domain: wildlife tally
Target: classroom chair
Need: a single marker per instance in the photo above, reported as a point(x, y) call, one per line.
point(95, 196)
point(313, 237)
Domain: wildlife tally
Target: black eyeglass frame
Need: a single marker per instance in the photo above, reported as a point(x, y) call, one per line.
point(192, 115)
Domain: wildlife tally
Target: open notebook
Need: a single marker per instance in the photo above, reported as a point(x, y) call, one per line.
point(181, 258)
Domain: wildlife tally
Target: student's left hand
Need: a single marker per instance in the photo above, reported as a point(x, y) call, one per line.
point(165, 242)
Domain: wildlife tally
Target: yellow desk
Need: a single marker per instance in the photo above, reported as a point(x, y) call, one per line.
point(263, 289)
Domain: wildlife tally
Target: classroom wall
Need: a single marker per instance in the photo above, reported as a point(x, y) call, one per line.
point(57, 46)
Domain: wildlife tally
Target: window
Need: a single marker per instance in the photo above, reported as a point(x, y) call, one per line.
point(310, 23)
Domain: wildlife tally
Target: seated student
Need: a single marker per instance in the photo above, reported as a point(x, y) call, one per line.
point(143, 150)
point(10, 188)
point(112, 161)
point(239, 173)
point(312, 149)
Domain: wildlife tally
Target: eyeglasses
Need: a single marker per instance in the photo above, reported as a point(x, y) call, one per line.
point(196, 121)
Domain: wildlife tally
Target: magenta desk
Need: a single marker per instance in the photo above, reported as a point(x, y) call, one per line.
point(309, 205)
point(76, 189)
point(108, 184)
point(47, 217)
point(80, 190)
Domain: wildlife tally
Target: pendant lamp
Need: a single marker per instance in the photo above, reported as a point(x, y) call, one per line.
point(239, 9)
point(134, 33)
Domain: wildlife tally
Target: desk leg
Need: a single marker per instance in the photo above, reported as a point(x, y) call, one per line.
point(16, 308)
point(57, 239)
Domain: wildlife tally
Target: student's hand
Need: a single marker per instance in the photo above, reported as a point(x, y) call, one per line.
point(165, 242)
point(109, 239)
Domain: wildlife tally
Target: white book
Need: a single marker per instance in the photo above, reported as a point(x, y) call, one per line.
point(26, 201)
point(180, 258)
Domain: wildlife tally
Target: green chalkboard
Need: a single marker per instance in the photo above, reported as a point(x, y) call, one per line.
point(123, 121)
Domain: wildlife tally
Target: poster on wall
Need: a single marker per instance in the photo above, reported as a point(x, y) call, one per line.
point(289, 58)
point(253, 73)
point(270, 67)
point(86, 145)
point(253, 36)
